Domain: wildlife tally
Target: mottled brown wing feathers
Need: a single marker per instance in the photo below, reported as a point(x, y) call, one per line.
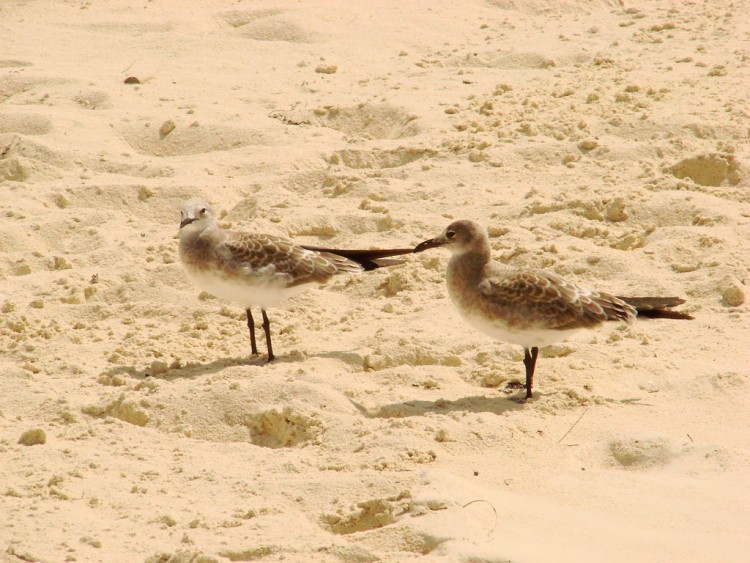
point(282, 257)
point(545, 299)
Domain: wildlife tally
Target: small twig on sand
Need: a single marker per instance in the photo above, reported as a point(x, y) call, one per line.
point(494, 525)
point(574, 425)
point(7, 149)
point(286, 116)
point(127, 68)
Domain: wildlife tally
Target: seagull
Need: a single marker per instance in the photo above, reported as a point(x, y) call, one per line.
point(261, 270)
point(532, 309)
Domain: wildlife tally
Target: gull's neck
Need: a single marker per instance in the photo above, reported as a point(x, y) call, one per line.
point(468, 265)
point(198, 241)
point(196, 229)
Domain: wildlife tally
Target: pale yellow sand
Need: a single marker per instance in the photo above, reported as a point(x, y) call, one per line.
point(607, 142)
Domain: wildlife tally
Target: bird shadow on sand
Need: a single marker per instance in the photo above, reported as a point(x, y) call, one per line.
point(476, 404)
point(193, 370)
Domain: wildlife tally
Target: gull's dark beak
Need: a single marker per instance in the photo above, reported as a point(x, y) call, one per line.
point(186, 221)
point(432, 243)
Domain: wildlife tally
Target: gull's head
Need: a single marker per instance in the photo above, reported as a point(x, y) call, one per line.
point(459, 237)
point(196, 212)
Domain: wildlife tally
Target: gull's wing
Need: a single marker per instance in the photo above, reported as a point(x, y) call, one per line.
point(657, 307)
point(545, 299)
point(281, 260)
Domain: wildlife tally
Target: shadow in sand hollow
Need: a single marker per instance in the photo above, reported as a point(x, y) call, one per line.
point(478, 403)
point(350, 357)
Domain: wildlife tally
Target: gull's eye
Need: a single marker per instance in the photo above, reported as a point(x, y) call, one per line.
point(450, 234)
point(203, 211)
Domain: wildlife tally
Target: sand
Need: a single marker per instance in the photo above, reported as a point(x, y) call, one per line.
point(606, 142)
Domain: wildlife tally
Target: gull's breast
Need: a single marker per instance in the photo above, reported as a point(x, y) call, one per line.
point(248, 289)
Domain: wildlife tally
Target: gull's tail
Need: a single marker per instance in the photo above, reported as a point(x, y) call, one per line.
point(657, 307)
point(368, 259)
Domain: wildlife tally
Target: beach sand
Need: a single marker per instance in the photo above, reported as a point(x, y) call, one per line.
point(608, 142)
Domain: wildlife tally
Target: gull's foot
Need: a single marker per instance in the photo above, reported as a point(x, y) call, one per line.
point(256, 360)
point(515, 385)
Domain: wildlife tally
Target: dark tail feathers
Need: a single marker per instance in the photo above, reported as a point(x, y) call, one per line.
point(657, 307)
point(368, 259)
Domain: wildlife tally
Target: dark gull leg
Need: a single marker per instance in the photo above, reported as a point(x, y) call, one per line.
point(251, 327)
point(267, 330)
point(529, 360)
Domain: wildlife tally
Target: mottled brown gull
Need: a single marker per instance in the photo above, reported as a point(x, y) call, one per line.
point(261, 270)
point(530, 308)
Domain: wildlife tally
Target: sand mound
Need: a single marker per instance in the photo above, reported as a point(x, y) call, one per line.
point(189, 140)
point(708, 169)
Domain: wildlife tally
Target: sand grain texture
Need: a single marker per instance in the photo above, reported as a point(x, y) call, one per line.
point(606, 141)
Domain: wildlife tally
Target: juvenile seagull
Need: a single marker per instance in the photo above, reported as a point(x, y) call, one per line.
point(532, 309)
point(256, 269)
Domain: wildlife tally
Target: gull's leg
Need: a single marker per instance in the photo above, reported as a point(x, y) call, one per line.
point(529, 360)
point(251, 327)
point(267, 330)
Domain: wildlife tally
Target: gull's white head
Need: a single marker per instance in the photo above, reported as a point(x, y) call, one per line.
point(197, 212)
